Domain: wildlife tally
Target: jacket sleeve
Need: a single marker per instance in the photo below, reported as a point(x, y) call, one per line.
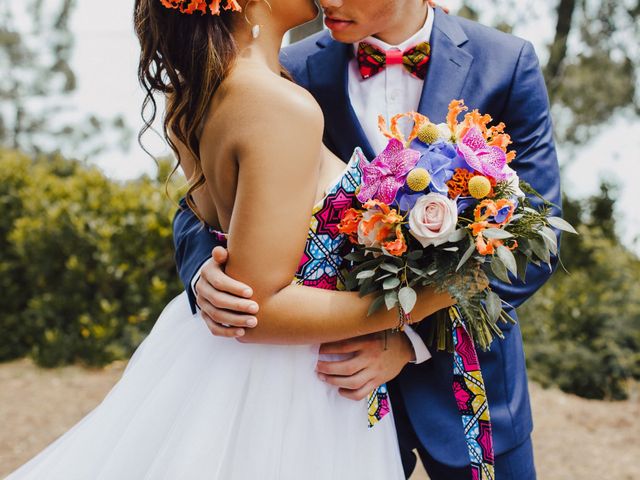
point(528, 120)
point(193, 244)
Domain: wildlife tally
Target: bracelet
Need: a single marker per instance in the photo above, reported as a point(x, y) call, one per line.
point(403, 319)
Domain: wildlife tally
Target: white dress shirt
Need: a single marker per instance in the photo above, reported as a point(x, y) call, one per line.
point(393, 90)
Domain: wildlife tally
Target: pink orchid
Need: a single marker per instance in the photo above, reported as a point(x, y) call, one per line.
point(490, 161)
point(382, 178)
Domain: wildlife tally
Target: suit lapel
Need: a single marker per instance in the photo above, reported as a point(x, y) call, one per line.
point(448, 68)
point(328, 82)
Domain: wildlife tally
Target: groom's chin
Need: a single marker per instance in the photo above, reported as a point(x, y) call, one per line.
point(343, 31)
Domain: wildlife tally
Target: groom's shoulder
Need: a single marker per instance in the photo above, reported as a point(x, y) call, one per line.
point(485, 42)
point(294, 56)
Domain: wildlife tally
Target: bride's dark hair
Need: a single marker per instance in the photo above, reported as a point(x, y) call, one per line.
point(186, 57)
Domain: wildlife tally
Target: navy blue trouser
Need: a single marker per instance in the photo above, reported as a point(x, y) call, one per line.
point(516, 464)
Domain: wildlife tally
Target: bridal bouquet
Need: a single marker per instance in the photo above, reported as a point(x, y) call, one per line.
point(444, 208)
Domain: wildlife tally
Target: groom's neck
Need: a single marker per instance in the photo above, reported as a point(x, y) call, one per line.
point(405, 26)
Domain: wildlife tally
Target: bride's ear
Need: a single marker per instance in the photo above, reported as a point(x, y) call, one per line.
point(255, 18)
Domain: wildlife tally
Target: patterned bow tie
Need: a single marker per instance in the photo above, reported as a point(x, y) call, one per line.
point(373, 60)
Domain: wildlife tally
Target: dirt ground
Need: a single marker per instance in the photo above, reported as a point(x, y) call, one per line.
point(574, 438)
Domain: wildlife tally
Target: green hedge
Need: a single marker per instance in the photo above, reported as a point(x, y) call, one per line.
point(86, 263)
point(582, 330)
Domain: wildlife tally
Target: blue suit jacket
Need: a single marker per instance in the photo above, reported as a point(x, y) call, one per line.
point(498, 74)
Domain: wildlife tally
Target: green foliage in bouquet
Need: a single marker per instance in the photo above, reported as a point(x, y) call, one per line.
point(86, 263)
point(443, 208)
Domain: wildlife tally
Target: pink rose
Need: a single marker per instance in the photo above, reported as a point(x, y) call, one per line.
point(433, 219)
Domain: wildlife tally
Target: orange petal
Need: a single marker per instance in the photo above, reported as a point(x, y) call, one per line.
point(456, 107)
point(232, 5)
point(382, 125)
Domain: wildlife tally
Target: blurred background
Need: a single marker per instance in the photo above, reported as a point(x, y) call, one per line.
point(86, 260)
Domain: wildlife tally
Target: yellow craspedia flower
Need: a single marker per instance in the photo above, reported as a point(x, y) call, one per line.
point(418, 179)
point(429, 133)
point(479, 187)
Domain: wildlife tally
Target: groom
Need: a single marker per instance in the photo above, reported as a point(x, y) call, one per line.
point(494, 72)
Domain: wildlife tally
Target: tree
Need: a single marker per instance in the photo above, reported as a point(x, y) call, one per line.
point(37, 80)
point(590, 37)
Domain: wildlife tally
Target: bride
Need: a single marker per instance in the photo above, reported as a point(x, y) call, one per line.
point(193, 406)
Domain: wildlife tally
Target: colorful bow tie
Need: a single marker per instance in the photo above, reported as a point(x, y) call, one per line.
point(373, 60)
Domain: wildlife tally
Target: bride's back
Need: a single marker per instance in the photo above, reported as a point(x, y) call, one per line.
point(252, 108)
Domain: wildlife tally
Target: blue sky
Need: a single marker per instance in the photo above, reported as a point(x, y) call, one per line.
point(105, 59)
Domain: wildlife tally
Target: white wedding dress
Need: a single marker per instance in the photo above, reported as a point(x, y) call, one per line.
point(191, 406)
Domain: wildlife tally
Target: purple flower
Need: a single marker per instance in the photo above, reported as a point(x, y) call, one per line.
point(490, 161)
point(439, 159)
point(382, 178)
point(502, 214)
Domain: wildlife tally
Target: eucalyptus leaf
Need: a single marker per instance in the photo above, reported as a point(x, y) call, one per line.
point(391, 299)
point(375, 305)
point(494, 306)
point(417, 271)
point(508, 259)
point(350, 283)
point(561, 224)
point(368, 265)
point(523, 263)
point(391, 283)
point(386, 275)
point(365, 274)
point(499, 269)
point(366, 287)
point(408, 298)
point(415, 254)
point(496, 234)
point(540, 248)
point(550, 239)
point(466, 256)
point(458, 235)
point(355, 257)
point(390, 268)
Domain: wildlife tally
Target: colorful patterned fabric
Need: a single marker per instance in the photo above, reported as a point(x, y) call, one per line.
point(471, 397)
point(325, 251)
point(373, 60)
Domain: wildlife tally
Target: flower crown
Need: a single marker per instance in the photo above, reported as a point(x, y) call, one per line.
point(191, 6)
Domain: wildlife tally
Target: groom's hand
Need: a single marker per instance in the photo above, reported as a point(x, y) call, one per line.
point(369, 366)
point(224, 302)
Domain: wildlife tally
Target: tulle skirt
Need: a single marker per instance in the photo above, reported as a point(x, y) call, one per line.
point(193, 406)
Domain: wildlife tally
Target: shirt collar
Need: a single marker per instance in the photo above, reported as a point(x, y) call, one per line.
point(422, 35)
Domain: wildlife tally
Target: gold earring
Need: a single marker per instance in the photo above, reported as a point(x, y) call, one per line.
point(255, 28)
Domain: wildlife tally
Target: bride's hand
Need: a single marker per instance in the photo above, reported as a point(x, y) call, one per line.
point(224, 302)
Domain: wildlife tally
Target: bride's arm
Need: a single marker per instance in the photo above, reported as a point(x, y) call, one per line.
point(278, 156)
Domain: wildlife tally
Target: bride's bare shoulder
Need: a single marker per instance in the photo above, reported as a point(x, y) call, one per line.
point(256, 98)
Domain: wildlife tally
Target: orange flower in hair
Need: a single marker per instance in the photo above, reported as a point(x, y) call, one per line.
point(191, 6)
